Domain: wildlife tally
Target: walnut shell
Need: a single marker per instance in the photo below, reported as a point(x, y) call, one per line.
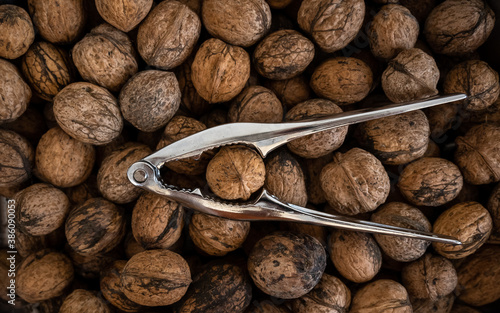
point(168, 35)
point(283, 54)
point(397, 139)
point(84, 301)
point(43, 275)
point(57, 21)
point(111, 288)
point(312, 168)
point(316, 231)
point(17, 31)
point(256, 104)
point(88, 113)
point(191, 99)
point(285, 178)
point(392, 30)
point(105, 57)
point(332, 24)
point(322, 143)
point(290, 91)
point(217, 236)
point(355, 182)
point(411, 75)
point(440, 305)
point(355, 255)
point(41, 209)
point(430, 182)
point(16, 159)
point(90, 266)
point(157, 222)
point(476, 79)
point(478, 277)
point(124, 15)
point(287, 265)
point(155, 278)
point(441, 119)
point(218, 288)
point(48, 69)
point(62, 160)
point(494, 209)
point(236, 172)
point(430, 277)
point(112, 179)
point(343, 80)
point(237, 22)
point(383, 295)
point(227, 66)
point(16, 94)
point(267, 306)
point(469, 222)
point(95, 227)
point(457, 27)
point(329, 295)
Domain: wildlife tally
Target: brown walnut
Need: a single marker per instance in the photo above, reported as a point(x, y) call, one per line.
point(90, 266)
point(17, 31)
point(110, 285)
point(381, 295)
point(440, 305)
point(256, 104)
point(16, 94)
point(124, 15)
point(312, 169)
point(84, 301)
point(494, 209)
point(290, 91)
point(16, 159)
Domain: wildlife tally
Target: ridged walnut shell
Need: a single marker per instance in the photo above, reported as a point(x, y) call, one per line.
point(16, 94)
point(494, 209)
point(88, 113)
point(383, 295)
point(312, 169)
point(191, 99)
point(111, 286)
point(16, 159)
point(90, 266)
point(17, 31)
point(84, 301)
point(256, 104)
point(124, 15)
point(290, 91)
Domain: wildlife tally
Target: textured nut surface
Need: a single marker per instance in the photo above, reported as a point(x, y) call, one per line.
point(16, 159)
point(111, 287)
point(383, 295)
point(494, 209)
point(343, 80)
point(440, 305)
point(17, 31)
point(168, 35)
point(237, 22)
point(355, 182)
point(313, 167)
point(62, 160)
point(469, 222)
point(430, 181)
point(124, 15)
point(84, 301)
point(190, 98)
point(332, 24)
point(256, 104)
point(16, 94)
point(290, 91)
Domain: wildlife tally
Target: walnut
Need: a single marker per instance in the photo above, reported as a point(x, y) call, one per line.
point(312, 169)
point(105, 57)
point(287, 265)
point(411, 75)
point(157, 222)
point(62, 160)
point(168, 35)
point(469, 222)
point(16, 159)
point(381, 295)
point(343, 80)
point(440, 305)
point(478, 154)
point(155, 278)
point(392, 30)
point(319, 144)
point(494, 209)
point(84, 301)
point(220, 287)
point(16, 94)
point(290, 91)
point(457, 27)
point(478, 277)
point(43, 275)
point(111, 288)
point(190, 98)
point(355, 255)
point(430, 182)
point(236, 172)
point(41, 209)
point(60, 22)
point(95, 227)
point(332, 24)
point(214, 118)
point(476, 79)
point(17, 31)
point(355, 182)
point(90, 266)
point(47, 69)
point(124, 15)
point(283, 54)
point(150, 99)
point(256, 104)
point(267, 306)
point(430, 277)
point(132, 247)
point(239, 23)
point(112, 179)
point(441, 119)
point(285, 178)
point(84, 191)
point(419, 8)
point(316, 231)
point(217, 236)
point(88, 113)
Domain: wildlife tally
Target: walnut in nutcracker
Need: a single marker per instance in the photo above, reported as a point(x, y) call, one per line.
point(290, 91)
point(16, 159)
point(227, 66)
point(168, 35)
point(16, 94)
point(111, 288)
point(256, 104)
point(84, 301)
point(381, 295)
point(332, 24)
point(17, 31)
point(457, 27)
point(237, 22)
point(124, 15)
point(155, 278)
